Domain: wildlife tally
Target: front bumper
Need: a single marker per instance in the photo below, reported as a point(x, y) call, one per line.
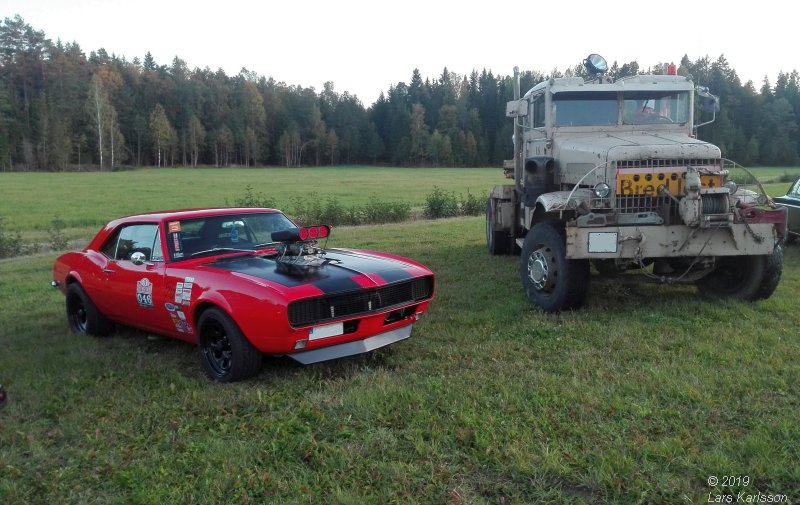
point(353, 348)
point(672, 241)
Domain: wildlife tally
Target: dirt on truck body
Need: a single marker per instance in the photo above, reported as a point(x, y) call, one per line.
point(612, 174)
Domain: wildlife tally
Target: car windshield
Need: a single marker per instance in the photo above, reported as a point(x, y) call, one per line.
point(223, 233)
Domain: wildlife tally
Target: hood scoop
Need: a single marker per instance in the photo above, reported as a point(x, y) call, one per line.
point(298, 250)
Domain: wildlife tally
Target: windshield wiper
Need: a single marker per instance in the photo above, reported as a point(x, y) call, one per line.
point(221, 250)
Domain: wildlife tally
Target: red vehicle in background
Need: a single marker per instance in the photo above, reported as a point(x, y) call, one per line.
point(240, 282)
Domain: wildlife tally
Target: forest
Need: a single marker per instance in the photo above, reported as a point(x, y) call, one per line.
point(62, 110)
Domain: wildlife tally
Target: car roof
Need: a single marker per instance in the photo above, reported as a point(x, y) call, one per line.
point(181, 214)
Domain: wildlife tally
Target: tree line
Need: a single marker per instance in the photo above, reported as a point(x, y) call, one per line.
point(61, 110)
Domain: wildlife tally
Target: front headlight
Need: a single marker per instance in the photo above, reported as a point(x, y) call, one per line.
point(732, 187)
point(602, 190)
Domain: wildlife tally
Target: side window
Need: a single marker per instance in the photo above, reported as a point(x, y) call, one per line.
point(796, 189)
point(110, 247)
point(538, 112)
point(143, 238)
point(158, 253)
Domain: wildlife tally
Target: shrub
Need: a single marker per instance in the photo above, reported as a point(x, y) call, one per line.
point(333, 213)
point(10, 243)
point(253, 199)
point(786, 177)
point(311, 209)
point(376, 211)
point(472, 205)
point(306, 210)
point(58, 241)
point(440, 204)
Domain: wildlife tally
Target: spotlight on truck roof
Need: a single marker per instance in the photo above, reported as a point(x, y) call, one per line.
point(595, 64)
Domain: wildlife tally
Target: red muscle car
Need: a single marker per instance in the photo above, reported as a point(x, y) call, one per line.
point(240, 282)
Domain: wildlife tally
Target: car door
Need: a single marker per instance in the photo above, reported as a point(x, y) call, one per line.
point(793, 204)
point(134, 289)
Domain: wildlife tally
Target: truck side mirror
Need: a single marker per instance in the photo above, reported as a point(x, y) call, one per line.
point(711, 105)
point(517, 108)
point(710, 102)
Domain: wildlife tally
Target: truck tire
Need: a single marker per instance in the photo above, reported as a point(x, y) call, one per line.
point(496, 241)
point(772, 275)
point(551, 281)
point(747, 278)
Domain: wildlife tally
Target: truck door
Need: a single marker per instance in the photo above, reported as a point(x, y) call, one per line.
point(537, 139)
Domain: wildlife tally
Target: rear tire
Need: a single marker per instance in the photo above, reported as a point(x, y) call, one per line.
point(497, 241)
point(225, 353)
point(772, 274)
point(83, 315)
point(550, 280)
point(747, 278)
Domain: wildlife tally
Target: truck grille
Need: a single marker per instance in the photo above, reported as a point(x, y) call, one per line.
point(337, 306)
point(674, 163)
point(664, 206)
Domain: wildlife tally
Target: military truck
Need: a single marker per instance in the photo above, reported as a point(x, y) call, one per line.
point(611, 174)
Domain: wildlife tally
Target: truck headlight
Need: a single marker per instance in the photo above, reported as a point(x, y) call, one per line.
point(601, 190)
point(731, 185)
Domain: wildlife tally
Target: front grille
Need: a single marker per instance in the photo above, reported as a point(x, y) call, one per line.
point(664, 206)
point(671, 163)
point(331, 307)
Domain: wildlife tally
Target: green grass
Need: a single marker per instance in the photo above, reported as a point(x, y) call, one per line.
point(637, 398)
point(86, 201)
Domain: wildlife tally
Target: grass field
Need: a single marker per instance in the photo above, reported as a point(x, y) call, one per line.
point(86, 201)
point(641, 397)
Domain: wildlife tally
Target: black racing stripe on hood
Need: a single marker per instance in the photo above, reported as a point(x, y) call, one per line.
point(395, 275)
point(388, 269)
point(335, 276)
point(328, 278)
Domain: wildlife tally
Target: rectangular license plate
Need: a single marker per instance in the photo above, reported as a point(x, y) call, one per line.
point(603, 242)
point(328, 330)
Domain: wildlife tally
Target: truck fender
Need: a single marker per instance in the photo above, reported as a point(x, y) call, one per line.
point(557, 201)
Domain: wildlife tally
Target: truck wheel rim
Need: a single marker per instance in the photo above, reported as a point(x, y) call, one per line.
point(539, 269)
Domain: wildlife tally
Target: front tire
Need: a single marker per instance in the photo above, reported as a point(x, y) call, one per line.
point(551, 281)
point(83, 316)
point(225, 353)
point(747, 278)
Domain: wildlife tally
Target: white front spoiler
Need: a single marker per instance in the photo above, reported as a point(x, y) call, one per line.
point(352, 348)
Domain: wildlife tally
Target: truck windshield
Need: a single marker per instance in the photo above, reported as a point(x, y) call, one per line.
point(655, 107)
point(584, 109)
point(638, 107)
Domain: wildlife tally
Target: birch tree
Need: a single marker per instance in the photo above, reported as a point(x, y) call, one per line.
point(97, 107)
point(161, 131)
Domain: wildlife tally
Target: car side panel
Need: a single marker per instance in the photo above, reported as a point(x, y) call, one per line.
point(792, 205)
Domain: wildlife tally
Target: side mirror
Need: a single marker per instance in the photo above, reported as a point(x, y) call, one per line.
point(138, 258)
point(710, 102)
point(517, 108)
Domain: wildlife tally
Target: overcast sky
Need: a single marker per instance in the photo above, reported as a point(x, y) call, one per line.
point(364, 47)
